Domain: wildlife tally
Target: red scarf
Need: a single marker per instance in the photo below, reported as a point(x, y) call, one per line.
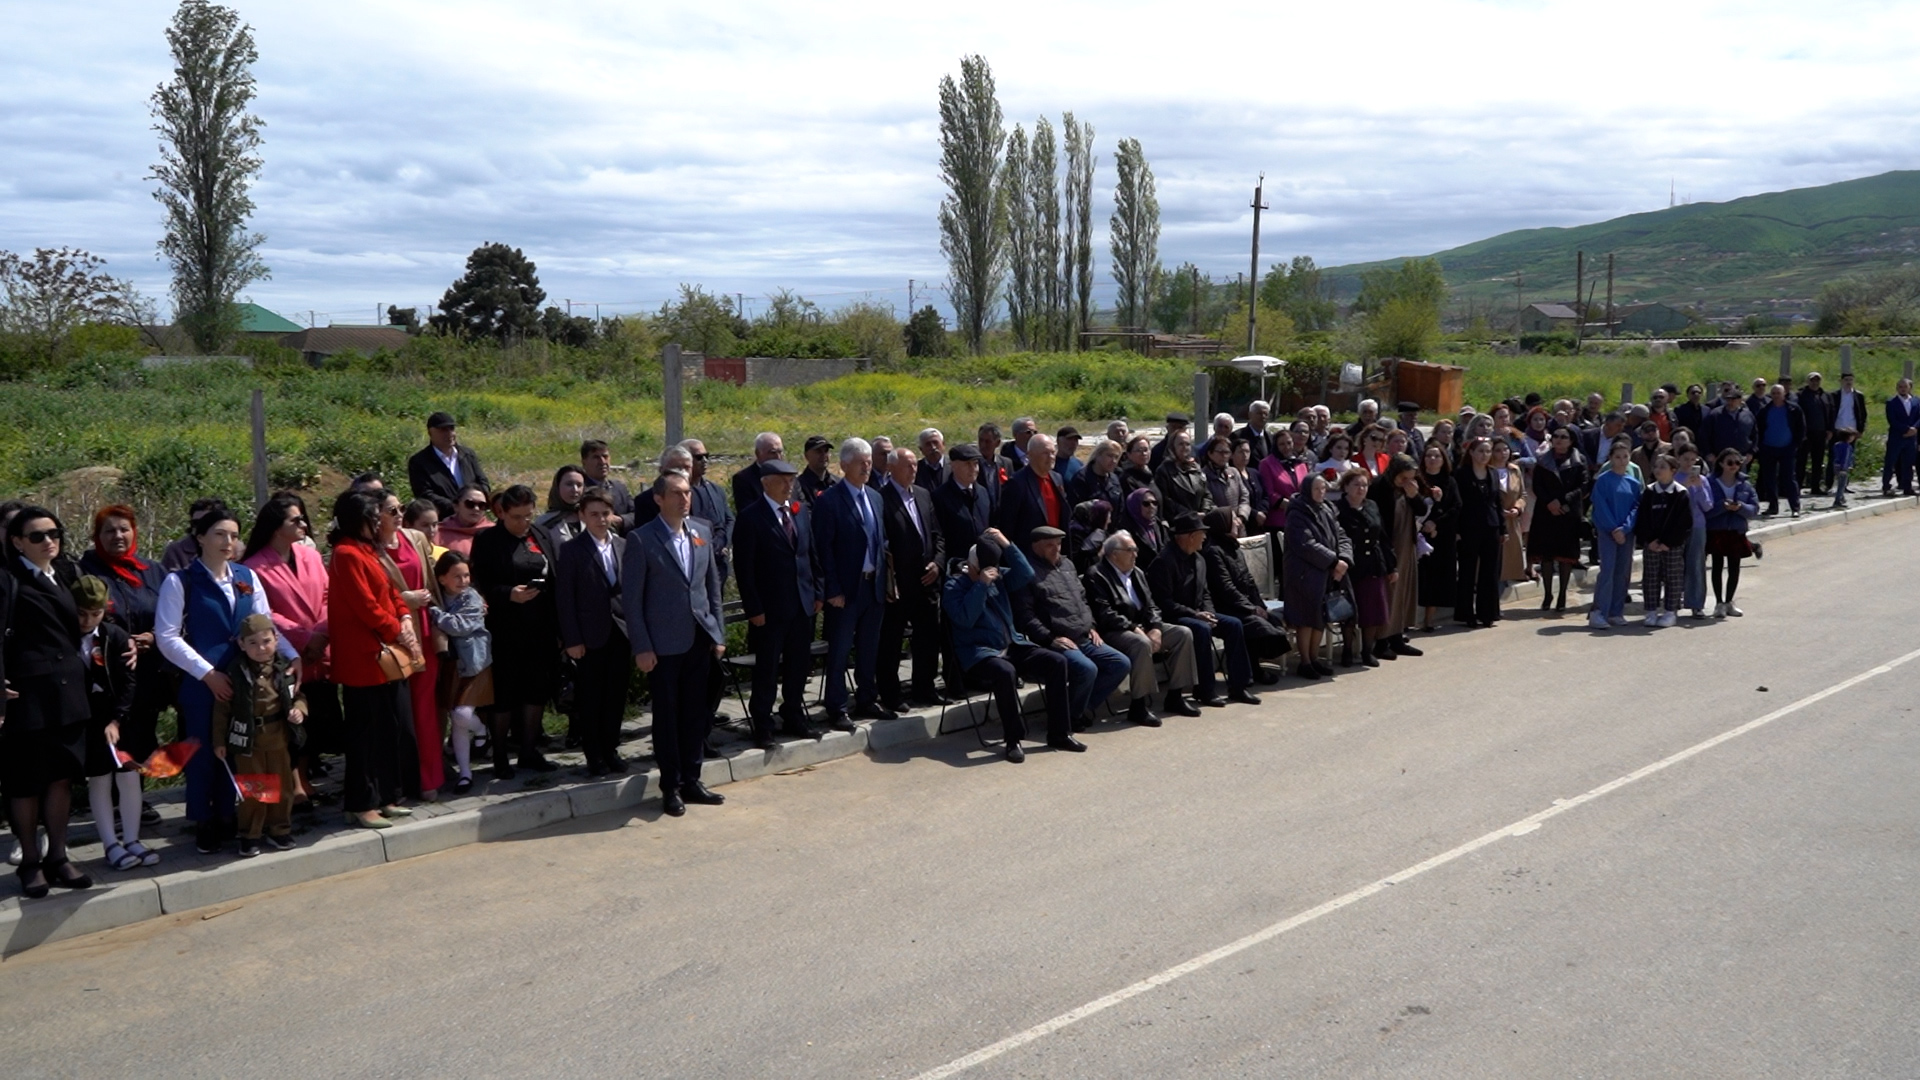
point(129, 567)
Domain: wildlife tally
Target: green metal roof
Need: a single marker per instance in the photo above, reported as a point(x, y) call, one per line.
point(255, 319)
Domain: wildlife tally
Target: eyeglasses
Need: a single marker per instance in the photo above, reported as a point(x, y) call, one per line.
point(389, 511)
point(475, 504)
point(1149, 502)
point(701, 457)
point(41, 536)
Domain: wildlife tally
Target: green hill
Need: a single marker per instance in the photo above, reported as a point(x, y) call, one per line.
point(1755, 255)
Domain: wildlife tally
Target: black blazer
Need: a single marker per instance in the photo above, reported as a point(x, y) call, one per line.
point(930, 474)
point(589, 607)
point(110, 681)
point(1179, 583)
point(778, 578)
point(1112, 612)
point(1022, 509)
point(40, 657)
point(912, 549)
point(962, 517)
point(428, 475)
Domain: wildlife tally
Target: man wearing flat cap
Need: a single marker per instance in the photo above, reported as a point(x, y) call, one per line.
point(1178, 578)
point(1410, 423)
point(445, 466)
point(781, 590)
point(1053, 612)
point(962, 504)
point(994, 653)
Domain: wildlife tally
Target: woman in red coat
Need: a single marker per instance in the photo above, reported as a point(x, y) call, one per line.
point(366, 613)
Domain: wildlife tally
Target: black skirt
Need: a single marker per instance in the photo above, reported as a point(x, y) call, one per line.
point(45, 737)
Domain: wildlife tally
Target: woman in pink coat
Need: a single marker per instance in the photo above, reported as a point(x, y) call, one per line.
point(281, 555)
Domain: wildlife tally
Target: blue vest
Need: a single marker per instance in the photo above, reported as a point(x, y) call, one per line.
point(209, 623)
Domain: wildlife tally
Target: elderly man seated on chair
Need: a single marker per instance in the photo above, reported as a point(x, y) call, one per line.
point(1125, 616)
point(993, 652)
point(1053, 611)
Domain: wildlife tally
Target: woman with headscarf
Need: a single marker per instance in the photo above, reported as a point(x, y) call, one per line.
point(1086, 531)
point(562, 519)
point(1559, 493)
point(1318, 557)
point(1439, 567)
point(469, 521)
point(1234, 592)
point(1224, 484)
point(1402, 503)
point(133, 590)
point(1144, 522)
point(1373, 566)
point(1537, 433)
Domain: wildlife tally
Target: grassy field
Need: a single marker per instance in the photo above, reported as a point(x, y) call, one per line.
point(176, 432)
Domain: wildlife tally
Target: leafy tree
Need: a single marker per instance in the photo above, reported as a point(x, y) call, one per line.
point(208, 160)
point(1178, 301)
point(926, 333)
point(787, 310)
point(1016, 210)
point(701, 322)
point(1043, 194)
point(1405, 326)
point(50, 296)
point(1419, 280)
point(407, 319)
point(563, 329)
point(971, 236)
point(499, 296)
point(871, 327)
point(1273, 330)
point(1133, 233)
point(1076, 237)
point(1883, 303)
point(1296, 289)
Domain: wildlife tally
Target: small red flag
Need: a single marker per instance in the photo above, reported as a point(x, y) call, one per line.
point(259, 787)
point(170, 759)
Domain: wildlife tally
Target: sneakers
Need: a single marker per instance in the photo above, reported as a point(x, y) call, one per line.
point(1616, 620)
point(1597, 621)
point(1698, 613)
point(249, 847)
point(281, 843)
point(1652, 619)
point(1669, 618)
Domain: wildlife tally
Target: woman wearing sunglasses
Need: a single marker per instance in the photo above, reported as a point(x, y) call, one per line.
point(295, 579)
point(469, 520)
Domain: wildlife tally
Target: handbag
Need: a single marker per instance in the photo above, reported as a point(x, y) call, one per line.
point(1339, 607)
point(398, 664)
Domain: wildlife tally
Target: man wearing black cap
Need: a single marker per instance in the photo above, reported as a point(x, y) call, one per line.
point(781, 590)
point(444, 467)
point(962, 504)
point(1178, 578)
point(1053, 613)
point(1177, 422)
point(992, 650)
point(1410, 423)
point(814, 480)
point(1816, 409)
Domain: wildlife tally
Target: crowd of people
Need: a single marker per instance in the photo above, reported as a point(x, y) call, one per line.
point(397, 639)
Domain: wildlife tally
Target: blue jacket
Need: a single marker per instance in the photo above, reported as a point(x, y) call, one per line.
point(463, 619)
point(841, 539)
point(1721, 518)
point(1616, 502)
point(666, 605)
point(1901, 416)
point(1730, 429)
point(982, 615)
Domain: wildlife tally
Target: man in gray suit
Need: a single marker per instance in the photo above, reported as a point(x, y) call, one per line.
point(672, 591)
point(593, 629)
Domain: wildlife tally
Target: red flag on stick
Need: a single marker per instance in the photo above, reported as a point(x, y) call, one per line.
point(170, 759)
point(260, 787)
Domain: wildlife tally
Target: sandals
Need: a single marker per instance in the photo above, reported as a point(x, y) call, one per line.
point(120, 858)
point(146, 855)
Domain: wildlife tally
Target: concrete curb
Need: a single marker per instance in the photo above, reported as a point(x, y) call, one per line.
point(27, 923)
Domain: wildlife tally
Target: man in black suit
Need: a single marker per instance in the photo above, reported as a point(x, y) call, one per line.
point(1259, 443)
point(962, 504)
point(1125, 615)
point(593, 630)
point(916, 555)
point(932, 470)
point(781, 590)
point(444, 467)
point(815, 479)
point(596, 460)
point(746, 483)
point(1810, 461)
point(1033, 497)
point(993, 467)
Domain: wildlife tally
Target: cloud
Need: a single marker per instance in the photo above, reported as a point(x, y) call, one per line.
point(629, 148)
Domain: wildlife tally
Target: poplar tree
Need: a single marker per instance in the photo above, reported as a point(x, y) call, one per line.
point(1016, 210)
point(971, 233)
point(1134, 232)
point(1043, 195)
point(1076, 234)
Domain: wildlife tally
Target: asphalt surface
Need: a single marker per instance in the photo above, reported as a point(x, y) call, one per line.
point(1749, 911)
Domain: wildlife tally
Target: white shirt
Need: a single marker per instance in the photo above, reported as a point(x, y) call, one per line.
point(682, 548)
point(605, 547)
point(169, 622)
point(1844, 411)
point(47, 573)
point(1126, 582)
point(87, 641)
point(452, 462)
point(781, 513)
point(913, 508)
point(866, 524)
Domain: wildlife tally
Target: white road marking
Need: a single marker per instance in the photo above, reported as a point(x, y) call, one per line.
point(1519, 828)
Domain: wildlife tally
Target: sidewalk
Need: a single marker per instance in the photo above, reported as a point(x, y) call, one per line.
point(186, 880)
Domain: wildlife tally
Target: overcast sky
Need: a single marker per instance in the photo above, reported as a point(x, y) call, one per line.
point(749, 146)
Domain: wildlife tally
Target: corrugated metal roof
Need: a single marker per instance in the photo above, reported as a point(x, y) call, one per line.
point(255, 319)
point(1554, 311)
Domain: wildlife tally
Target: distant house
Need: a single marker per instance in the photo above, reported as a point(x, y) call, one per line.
point(317, 344)
point(1542, 318)
point(1652, 319)
point(256, 321)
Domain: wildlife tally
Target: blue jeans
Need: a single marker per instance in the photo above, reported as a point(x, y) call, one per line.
point(1696, 555)
point(855, 627)
point(1616, 566)
point(1094, 672)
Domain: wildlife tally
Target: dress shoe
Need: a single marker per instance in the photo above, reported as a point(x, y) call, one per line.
point(765, 742)
point(1178, 704)
point(875, 711)
point(1307, 670)
point(1346, 657)
point(1244, 696)
point(1384, 650)
point(934, 700)
point(595, 770)
point(1083, 722)
point(617, 765)
point(1369, 659)
point(463, 785)
point(1070, 744)
point(1403, 647)
point(800, 729)
point(1015, 754)
point(672, 803)
point(537, 764)
point(895, 707)
point(841, 722)
point(502, 771)
point(1214, 702)
point(33, 881)
point(1138, 713)
point(697, 792)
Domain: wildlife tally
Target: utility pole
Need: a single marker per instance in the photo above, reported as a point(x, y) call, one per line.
point(1609, 294)
point(1253, 270)
point(1579, 289)
point(1196, 300)
point(909, 298)
point(1519, 305)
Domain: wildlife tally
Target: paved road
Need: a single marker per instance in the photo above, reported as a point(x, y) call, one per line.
point(1748, 911)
